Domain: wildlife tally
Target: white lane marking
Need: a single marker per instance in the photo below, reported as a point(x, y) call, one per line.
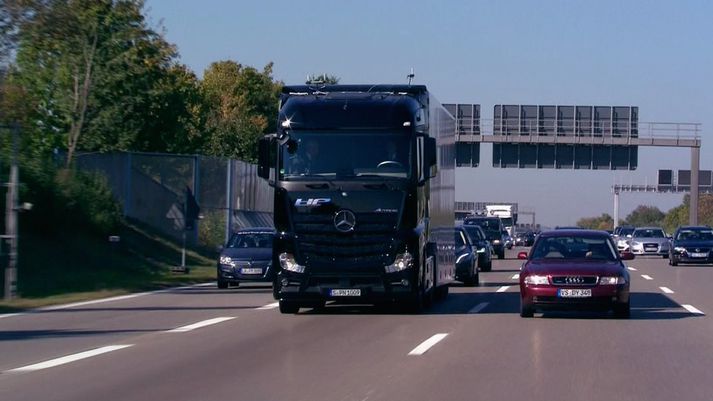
point(104, 300)
point(92, 302)
point(693, 309)
point(426, 345)
point(479, 307)
point(631, 268)
point(70, 358)
point(200, 324)
point(11, 315)
point(269, 306)
point(516, 276)
point(647, 277)
point(666, 290)
point(503, 288)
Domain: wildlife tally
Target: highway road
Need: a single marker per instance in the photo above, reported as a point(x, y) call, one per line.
point(201, 343)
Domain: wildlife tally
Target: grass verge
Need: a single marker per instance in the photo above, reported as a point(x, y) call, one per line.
point(74, 268)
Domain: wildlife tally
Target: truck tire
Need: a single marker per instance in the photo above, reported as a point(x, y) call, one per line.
point(288, 307)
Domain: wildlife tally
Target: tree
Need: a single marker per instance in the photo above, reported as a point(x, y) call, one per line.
point(645, 216)
point(603, 222)
point(99, 78)
point(323, 79)
point(240, 106)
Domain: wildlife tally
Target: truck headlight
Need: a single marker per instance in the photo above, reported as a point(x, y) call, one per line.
point(403, 261)
point(227, 261)
point(287, 262)
point(536, 280)
point(611, 280)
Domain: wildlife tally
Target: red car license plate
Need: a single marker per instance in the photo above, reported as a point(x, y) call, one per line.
point(574, 293)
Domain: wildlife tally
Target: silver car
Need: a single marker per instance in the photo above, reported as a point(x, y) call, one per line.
point(649, 241)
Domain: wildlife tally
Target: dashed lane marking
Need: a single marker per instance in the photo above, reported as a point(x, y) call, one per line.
point(647, 277)
point(503, 288)
point(200, 324)
point(70, 358)
point(633, 269)
point(269, 306)
point(666, 290)
point(479, 307)
point(516, 276)
point(426, 345)
point(693, 309)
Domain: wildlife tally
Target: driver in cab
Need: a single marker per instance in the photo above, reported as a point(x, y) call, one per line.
point(305, 161)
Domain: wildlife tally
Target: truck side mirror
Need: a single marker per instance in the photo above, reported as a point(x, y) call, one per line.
point(430, 157)
point(263, 159)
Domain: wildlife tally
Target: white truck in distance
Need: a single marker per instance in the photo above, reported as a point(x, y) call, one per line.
point(507, 213)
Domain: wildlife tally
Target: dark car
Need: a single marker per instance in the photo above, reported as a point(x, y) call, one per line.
point(482, 245)
point(526, 238)
point(247, 257)
point(466, 259)
point(579, 269)
point(691, 244)
point(493, 229)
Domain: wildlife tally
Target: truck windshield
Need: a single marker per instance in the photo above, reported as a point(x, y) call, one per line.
point(345, 155)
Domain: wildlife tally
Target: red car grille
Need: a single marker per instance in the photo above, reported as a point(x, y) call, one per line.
point(574, 280)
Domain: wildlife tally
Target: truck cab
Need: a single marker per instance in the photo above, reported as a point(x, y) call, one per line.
point(355, 170)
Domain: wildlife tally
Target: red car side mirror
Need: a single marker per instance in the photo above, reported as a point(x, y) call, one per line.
point(627, 256)
point(522, 255)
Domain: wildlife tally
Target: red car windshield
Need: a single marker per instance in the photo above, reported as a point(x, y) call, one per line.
point(574, 247)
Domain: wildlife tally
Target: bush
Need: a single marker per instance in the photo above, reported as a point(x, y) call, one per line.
point(65, 201)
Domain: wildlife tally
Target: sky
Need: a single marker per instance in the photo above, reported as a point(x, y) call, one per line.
point(657, 55)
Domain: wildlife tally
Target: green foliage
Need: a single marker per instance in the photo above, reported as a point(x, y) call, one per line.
point(65, 201)
point(645, 215)
point(603, 222)
point(240, 106)
point(675, 217)
point(98, 78)
point(211, 229)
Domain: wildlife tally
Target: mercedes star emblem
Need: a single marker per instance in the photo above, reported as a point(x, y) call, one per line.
point(344, 221)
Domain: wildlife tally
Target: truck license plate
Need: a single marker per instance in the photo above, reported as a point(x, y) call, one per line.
point(574, 293)
point(349, 292)
point(251, 270)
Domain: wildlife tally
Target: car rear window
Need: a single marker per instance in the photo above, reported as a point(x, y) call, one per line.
point(574, 247)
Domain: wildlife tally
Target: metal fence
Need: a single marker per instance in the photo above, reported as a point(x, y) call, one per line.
point(152, 187)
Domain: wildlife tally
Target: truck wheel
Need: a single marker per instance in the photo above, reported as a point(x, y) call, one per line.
point(289, 307)
point(622, 311)
point(441, 292)
point(488, 267)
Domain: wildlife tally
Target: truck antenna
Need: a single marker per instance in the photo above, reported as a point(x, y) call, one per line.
point(410, 76)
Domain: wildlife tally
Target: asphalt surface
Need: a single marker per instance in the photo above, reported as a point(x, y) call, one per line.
point(201, 343)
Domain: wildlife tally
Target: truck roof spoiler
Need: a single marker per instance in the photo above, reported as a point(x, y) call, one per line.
point(325, 89)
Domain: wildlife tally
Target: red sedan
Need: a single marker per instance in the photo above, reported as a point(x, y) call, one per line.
point(574, 269)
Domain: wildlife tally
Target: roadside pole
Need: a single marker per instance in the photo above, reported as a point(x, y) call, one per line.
point(11, 222)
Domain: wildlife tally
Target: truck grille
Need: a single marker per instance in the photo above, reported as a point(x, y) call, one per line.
point(323, 248)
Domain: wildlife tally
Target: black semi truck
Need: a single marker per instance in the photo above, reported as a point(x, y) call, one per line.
point(364, 184)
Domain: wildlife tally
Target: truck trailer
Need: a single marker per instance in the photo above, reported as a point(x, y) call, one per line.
point(364, 190)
